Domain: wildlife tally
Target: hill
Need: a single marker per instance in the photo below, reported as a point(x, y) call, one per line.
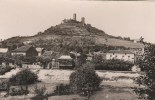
point(72, 34)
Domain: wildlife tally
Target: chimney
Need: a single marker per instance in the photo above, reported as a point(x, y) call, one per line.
point(74, 16)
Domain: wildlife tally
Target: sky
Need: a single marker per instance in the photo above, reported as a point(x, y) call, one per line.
point(119, 18)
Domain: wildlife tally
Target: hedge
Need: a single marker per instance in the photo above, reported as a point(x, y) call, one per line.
point(116, 65)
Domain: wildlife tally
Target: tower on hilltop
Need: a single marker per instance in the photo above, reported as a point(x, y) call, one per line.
point(83, 21)
point(74, 16)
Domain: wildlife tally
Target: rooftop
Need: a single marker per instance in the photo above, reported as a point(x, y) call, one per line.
point(22, 48)
point(120, 51)
point(65, 57)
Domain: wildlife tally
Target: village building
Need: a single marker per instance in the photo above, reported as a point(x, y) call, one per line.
point(28, 51)
point(121, 55)
point(65, 62)
point(3, 52)
point(40, 51)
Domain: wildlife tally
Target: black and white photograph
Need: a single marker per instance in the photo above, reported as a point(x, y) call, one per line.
point(77, 50)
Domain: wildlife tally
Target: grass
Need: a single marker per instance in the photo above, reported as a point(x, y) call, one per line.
point(114, 93)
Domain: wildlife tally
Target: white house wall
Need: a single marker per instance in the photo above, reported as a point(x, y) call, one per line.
point(125, 57)
point(18, 53)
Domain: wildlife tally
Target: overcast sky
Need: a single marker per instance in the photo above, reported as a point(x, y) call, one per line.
point(119, 18)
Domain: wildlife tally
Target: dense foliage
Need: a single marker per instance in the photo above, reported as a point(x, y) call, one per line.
point(148, 79)
point(24, 77)
point(62, 90)
point(84, 80)
point(114, 64)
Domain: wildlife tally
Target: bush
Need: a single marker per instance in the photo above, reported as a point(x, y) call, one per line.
point(3, 70)
point(3, 84)
point(24, 77)
point(40, 93)
point(84, 80)
point(15, 92)
point(62, 90)
point(113, 64)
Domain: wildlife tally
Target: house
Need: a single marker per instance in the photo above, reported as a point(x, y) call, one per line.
point(121, 55)
point(3, 51)
point(40, 51)
point(28, 51)
point(65, 62)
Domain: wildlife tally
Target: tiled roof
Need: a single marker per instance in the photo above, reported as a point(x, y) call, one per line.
point(65, 57)
point(120, 51)
point(22, 49)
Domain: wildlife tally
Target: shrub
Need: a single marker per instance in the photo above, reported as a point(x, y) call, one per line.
point(40, 93)
point(3, 84)
point(62, 90)
point(113, 64)
point(24, 77)
point(3, 70)
point(84, 80)
point(15, 92)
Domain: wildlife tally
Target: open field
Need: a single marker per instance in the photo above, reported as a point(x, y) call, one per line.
point(115, 85)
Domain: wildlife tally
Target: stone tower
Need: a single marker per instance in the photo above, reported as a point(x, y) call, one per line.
point(74, 16)
point(83, 21)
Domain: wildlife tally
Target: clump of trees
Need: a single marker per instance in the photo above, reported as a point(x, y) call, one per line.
point(148, 79)
point(84, 80)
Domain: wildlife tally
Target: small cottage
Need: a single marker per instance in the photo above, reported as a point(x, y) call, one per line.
point(28, 51)
point(3, 52)
point(65, 62)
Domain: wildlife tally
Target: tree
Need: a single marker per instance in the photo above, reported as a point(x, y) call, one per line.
point(80, 60)
point(84, 80)
point(148, 79)
point(24, 77)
